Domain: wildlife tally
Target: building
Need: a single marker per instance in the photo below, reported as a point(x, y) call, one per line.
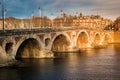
point(64, 20)
point(117, 23)
point(92, 21)
point(34, 22)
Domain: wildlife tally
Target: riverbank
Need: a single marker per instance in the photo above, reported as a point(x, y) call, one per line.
point(12, 64)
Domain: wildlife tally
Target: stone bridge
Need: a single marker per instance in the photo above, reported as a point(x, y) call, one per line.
point(41, 43)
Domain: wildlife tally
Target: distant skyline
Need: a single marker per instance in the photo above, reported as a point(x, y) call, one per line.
point(23, 8)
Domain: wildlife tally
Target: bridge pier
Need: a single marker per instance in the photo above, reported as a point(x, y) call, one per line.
point(73, 47)
point(45, 53)
point(3, 57)
point(89, 45)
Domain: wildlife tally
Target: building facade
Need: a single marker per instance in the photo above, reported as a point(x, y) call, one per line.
point(117, 23)
point(64, 20)
point(27, 23)
point(93, 21)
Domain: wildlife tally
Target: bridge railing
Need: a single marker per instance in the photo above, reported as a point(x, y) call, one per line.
point(11, 32)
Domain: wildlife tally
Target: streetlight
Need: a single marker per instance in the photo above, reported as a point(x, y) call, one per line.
point(40, 15)
point(40, 12)
point(32, 16)
point(3, 14)
point(52, 20)
point(5, 11)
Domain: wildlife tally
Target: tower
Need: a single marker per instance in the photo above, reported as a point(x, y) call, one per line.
point(40, 12)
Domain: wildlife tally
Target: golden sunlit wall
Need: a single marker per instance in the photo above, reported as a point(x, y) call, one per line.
point(117, 37)
point(93, 21)
point(64, 20)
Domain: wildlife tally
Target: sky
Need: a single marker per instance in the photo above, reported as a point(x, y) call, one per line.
point(24, 8)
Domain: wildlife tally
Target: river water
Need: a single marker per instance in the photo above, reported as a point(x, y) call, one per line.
point(90, 64)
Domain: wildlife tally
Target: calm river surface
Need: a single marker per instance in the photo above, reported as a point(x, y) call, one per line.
point(91, 64)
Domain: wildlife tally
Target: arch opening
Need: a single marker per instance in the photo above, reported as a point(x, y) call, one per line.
point(107, 39)
point(8, 48)
point(82, 40)
point(29, 48)
point(60, 44)
point(96, 40)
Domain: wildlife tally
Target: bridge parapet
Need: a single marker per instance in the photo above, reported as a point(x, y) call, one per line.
point(15, 32)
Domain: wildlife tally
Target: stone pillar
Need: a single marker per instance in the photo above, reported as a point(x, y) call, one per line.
point(73, 47)
point(46, 54)
point(89, 45)
point(3, 58)
point(90, 41)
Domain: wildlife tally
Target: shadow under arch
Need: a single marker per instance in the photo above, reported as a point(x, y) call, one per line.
point(29, 48)
point(96, 39)
point(82, 40)
point(8, 47)
point(60, 43)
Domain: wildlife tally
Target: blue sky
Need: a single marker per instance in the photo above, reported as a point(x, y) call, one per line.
point(24, 8)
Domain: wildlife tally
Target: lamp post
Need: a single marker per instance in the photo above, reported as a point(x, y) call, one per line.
point(3, 10)
point(40, 12)
point(32, 16)
point(40, 15)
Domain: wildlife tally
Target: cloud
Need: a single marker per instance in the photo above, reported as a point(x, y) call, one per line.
point(88, 7)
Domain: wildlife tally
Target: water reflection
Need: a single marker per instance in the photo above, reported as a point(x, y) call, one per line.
point(9, 74)
point(98, 64)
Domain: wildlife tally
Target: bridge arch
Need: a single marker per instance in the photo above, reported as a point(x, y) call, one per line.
point(107, 38)
point(60, 42)
point(82, 39)
point(96, 39)
point(28, 47)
